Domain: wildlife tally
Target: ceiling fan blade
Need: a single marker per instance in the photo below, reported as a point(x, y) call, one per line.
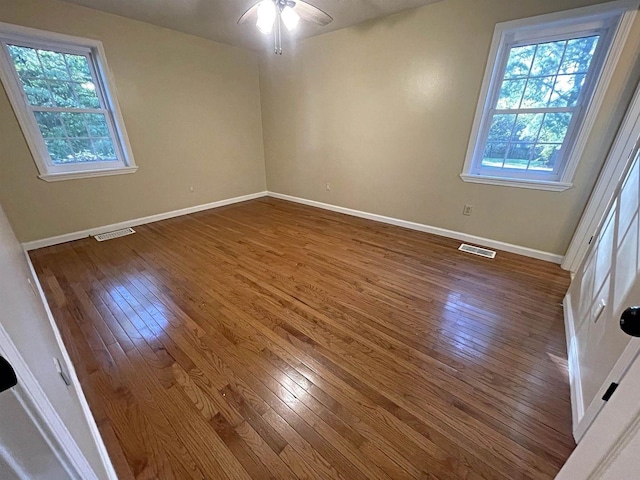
point(313, 14)
point(251, 13)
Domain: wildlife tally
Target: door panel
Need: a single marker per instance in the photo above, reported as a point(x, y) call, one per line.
point(608, 276)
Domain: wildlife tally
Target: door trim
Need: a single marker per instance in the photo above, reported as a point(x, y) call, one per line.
point(45, 417)
point(603, 193)
point(575, 382)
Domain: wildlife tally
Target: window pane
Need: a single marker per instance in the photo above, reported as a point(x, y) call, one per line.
point(511, 93)
point(545, 157)
point(83, 150)
point(76, 137)
point(97, 124)
point(527, 127)
point(538, 92)
point(548, 58)
point(579, 53)
point(519, 62)
point(37, 92)
point(555, 126)
point(518, 155)
point(26, 62)
point(60, 151)
point(61, 88)
point(494, 154)
point(79, 68)
point(567, 90)
point(53, 65)
point(501, 127)
point(86, 94)
point(74, 123)
point(104, 149)
point(50, 124)
point(63, 94)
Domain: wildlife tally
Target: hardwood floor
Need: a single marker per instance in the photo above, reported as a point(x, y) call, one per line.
point(273, 340)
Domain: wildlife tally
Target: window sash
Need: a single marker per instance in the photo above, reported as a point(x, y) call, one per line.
point(105, 91)
point(577, 111)
point(89, 54)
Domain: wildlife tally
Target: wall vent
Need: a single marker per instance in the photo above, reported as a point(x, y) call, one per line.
point(483, 252)
point(115, 234)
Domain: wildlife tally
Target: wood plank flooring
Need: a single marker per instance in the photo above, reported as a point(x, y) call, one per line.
point(273, 340)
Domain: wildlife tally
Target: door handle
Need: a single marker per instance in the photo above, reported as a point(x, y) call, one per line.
point(8, 377)
point(630, 321)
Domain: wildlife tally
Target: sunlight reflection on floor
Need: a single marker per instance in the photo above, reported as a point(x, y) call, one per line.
point(561, 363)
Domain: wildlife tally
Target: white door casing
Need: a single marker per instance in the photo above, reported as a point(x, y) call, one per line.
point(25, 453)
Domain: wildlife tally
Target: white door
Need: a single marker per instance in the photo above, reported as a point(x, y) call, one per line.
point(24, 452)
point(605, 285)
point(609, 449)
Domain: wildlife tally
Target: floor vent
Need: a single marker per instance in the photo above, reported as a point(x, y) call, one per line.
point(115, 234)
point(483, 252)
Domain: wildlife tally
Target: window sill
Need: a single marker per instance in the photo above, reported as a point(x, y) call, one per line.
point(56, 177)
point(518, 183)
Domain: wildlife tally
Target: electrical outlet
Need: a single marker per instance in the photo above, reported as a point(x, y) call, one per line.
point(191, 189)
point(328, 187)
point(468, 209)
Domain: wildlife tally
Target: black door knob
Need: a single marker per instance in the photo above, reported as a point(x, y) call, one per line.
point(630, 321)
point(7, 375)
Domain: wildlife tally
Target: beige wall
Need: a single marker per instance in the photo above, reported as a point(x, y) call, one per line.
point(191, 108)
point(384, 110)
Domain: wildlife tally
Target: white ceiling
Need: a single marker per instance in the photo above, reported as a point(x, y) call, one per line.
point(217, 19)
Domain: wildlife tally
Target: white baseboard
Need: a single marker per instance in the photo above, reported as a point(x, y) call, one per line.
point(69, 237)
point(577, 401)
point(464, 237)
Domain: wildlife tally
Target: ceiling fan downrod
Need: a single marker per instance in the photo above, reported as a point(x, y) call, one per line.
point(277, 33)
point(273, 14)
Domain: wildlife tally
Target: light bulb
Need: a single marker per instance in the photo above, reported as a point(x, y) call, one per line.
point(266, 16)
point(290, 18)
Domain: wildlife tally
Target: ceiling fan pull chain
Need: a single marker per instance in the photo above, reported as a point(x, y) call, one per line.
point(275, 36)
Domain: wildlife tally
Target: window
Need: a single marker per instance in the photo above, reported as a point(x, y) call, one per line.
point(60, 91)
point(539, 99)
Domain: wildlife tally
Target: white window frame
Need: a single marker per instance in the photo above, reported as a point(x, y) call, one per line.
point(94, 51)
point(616, 18)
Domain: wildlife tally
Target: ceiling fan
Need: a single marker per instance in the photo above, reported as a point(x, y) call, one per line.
point(269, 16)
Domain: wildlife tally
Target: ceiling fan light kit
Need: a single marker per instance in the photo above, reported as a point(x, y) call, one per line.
point(271, 14)
point(266, 16)
point(289, 17)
